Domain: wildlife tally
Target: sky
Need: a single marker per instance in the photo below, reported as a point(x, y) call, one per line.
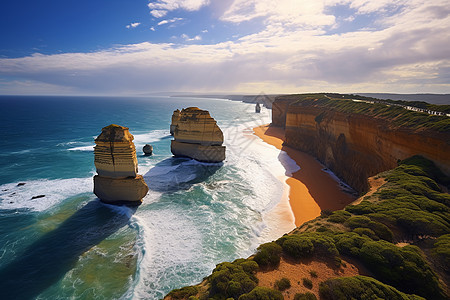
point(140, 47)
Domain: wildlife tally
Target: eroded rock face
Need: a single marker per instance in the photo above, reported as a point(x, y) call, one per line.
point(175, 119)
point(197, 136)
point(115, 154)
point(356, 146)
point(120, 190)
point(116, 163)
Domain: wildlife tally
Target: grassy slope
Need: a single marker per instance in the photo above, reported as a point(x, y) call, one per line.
point(397, 116)
point(409, 208)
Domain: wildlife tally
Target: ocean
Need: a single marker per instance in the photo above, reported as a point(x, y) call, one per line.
point(58, 241)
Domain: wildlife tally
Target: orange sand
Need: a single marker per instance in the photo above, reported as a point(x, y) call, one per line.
point(296, 271)
point(311, 189)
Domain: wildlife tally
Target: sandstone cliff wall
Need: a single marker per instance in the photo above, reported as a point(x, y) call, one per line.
point(356, 146)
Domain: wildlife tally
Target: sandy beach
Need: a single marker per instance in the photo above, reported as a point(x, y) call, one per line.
point(311, 189)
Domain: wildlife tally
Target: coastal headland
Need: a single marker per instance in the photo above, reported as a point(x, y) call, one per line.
point(391, 243)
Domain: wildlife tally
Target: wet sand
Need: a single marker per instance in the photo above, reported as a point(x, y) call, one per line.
point(311, 189)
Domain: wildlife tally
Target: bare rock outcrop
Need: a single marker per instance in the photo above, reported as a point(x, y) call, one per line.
point(175, 119)
point(116, 163)
point(197, 135)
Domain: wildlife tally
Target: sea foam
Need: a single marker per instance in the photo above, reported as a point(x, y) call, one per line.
point(15, 196)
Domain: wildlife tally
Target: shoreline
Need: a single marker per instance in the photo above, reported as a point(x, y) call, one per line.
point(311, 190)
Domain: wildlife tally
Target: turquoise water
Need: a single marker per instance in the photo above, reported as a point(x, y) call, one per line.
point(69, 245)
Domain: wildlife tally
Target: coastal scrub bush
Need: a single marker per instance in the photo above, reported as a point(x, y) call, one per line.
point(367, 232)
point(184, 293)
point(442, 250)
point(305, 296)
point(268, 255)
point(427, 166)
point(313, 274)
point(262, 293)
point(379, 229)
point(402, 267)
point(308, 243)
point(282, 284)
point(307, 283)
point(339, 216)
point(233, 279)
point(360, 287)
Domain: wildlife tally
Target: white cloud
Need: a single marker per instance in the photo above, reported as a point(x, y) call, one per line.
point(169, 21)
point(407, 52)
point(133, 25)
point(158, 13)
point(283, 12)
point(189, 39)
point(160, 8)
point(152, 28)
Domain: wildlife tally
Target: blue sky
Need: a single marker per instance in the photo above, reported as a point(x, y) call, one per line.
point(120, 47)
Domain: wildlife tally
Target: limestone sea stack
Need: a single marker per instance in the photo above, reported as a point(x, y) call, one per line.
point(117, 181)
point(196, 135)
point(175, 119)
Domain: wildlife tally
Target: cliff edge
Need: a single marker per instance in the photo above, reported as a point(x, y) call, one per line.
point(358, 139)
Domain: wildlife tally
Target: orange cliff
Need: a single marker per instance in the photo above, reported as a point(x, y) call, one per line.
point(356, 146)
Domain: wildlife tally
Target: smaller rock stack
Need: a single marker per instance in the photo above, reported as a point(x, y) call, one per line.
point(175, 119)
point(197, 135)
point(117, 181)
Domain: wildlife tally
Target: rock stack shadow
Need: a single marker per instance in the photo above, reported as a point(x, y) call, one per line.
point(178, 173)
point(46, 261)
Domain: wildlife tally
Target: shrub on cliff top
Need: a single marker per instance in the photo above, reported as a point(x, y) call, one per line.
point(184, 293)
point(262, 293)
point(360, 287)
point(283, 284)
point(339, 216)
point(403, 267)
point(308, 243)
point(268, 255)
point(233, 279)
point(442, 250)
point(426, 166)
point(381, 230)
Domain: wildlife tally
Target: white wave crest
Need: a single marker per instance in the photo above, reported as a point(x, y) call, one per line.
point(18, 196)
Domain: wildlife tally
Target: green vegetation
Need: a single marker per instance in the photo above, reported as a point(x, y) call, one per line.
point(184, 293)
point(442, 251)
point(313, 274)
point(282, 284)
point(398, 116)
point(307, 244)
point(233, 279)
point(360, 287)
point(268, 255)
point(307, 283)
point(305, 296)
point(410, 207)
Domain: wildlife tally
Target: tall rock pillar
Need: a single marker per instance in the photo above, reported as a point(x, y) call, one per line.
point(197, 136)
point(115, 159)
